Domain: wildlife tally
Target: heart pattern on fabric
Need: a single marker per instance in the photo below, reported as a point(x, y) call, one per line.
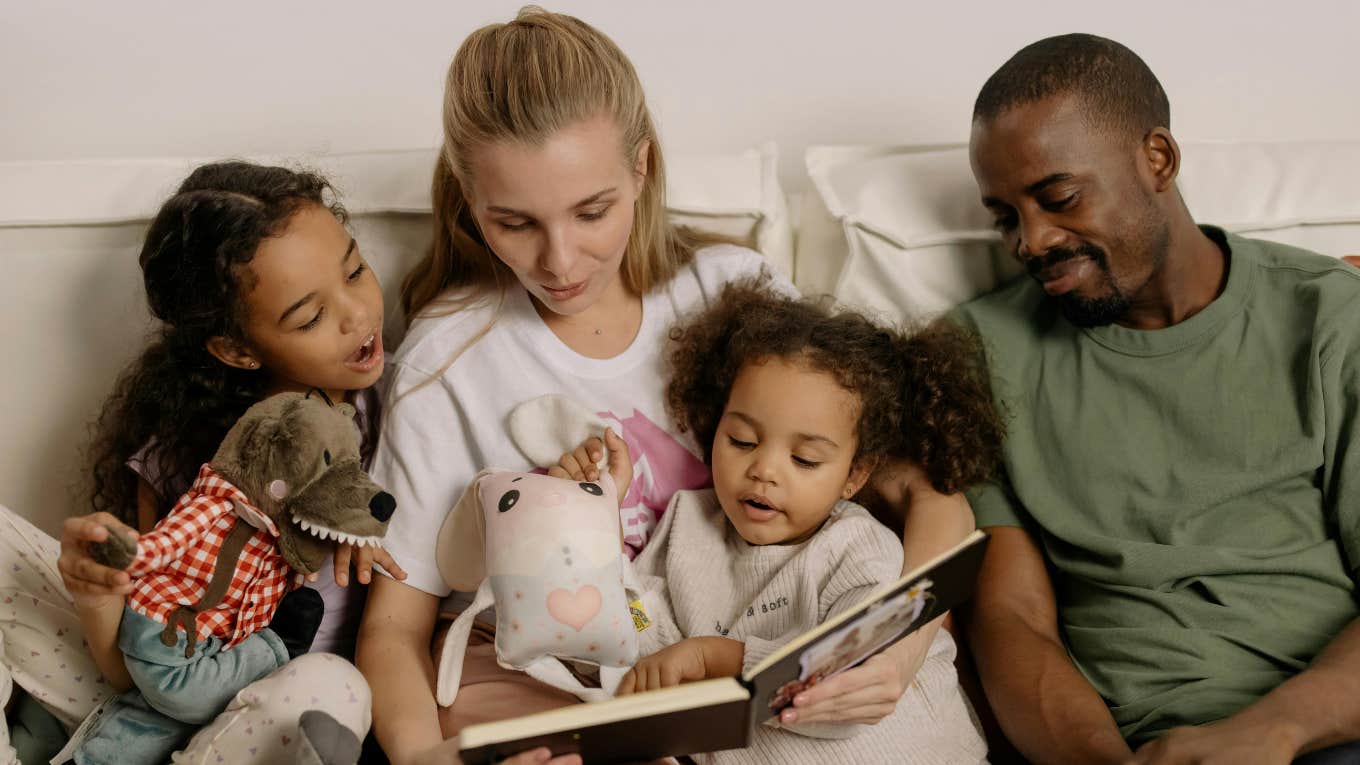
point(574, 609)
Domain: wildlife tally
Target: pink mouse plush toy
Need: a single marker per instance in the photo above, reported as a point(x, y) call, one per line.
point(548, 553)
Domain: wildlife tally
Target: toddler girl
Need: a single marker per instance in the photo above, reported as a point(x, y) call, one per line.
point(794, 407)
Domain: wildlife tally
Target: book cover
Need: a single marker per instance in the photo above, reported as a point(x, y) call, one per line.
point(722, 713)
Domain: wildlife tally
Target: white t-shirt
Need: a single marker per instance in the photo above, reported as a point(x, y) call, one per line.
point(436, 438)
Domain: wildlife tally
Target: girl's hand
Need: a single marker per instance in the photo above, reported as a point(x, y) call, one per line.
point(582, 464)
point(92, 585)
point(362, 558)
point(865, 694)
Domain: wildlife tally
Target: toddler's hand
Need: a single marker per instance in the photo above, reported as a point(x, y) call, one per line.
point(582, 464)
point(362, 558)
point(672, 665)
point(91, 584)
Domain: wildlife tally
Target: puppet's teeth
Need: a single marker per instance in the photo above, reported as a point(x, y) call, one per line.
point(342, 537)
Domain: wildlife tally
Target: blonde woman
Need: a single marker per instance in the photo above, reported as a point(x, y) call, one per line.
point(553, 270)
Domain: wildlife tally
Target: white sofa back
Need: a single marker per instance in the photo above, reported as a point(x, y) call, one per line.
point(896, 229)
point(73, 311)
point(901, 230)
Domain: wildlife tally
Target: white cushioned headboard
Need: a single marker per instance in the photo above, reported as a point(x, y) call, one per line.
point(71, 297)
point(901, 229)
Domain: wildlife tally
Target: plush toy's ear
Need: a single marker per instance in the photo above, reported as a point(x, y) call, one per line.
point(460, 550)
point(549, 426)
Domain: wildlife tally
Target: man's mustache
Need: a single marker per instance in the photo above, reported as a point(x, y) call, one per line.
point(1057, 255)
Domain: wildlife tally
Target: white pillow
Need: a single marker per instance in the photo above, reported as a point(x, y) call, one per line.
point(900, 230)
point(736, 194)
point(71, 297)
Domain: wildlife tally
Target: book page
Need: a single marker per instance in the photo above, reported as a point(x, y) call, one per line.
point(882, 618)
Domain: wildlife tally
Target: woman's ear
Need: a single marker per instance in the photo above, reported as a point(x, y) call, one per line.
point(640, 165)
point(232, 353)
point(859, 474)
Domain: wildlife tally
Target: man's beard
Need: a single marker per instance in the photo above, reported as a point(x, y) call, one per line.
point(1106, 308)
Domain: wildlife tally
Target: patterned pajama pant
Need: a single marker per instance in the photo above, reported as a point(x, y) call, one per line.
point(42, 652)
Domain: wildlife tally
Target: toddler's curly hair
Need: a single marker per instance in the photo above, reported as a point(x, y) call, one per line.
point(924, 394)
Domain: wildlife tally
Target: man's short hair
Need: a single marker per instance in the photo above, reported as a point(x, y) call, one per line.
point(1119, 90)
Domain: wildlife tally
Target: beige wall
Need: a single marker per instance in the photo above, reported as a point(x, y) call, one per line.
point(138, 78)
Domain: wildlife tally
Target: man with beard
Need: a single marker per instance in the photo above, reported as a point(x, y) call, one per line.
point(1175, 539)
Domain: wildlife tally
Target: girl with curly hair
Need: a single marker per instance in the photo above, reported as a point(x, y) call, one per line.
point(795, 405)
point(258, 287)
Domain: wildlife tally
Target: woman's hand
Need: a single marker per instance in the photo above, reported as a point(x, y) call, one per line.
point(362, 559)
point(92, 585)
point(898, 481)
point(934, 523)
point(582, 464)
point(1353, 260)
point(865, 694)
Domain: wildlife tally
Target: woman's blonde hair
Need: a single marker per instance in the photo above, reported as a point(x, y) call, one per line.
point(523, 81)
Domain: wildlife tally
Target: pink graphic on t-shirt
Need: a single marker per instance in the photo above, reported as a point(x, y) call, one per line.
point(661, 467)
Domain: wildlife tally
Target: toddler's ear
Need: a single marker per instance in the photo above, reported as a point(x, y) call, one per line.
point(859, 474)
point(460, 550)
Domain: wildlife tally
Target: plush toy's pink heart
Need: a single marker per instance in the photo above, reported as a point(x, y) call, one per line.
point(574, 610)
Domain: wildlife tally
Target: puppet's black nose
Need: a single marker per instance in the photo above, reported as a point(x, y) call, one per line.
point(382, 506)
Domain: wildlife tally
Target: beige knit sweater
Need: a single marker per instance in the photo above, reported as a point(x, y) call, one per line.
point(701, 578)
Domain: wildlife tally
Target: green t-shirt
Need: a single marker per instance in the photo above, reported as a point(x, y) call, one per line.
point(1195, 489)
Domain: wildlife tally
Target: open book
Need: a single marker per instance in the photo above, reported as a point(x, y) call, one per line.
point(722, 713)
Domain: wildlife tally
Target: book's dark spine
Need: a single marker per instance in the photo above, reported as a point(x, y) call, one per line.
point(685, 731)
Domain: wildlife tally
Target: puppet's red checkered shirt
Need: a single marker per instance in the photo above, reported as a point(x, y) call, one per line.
point(175, 562)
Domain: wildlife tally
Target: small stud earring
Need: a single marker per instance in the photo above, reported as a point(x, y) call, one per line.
point(254, 364)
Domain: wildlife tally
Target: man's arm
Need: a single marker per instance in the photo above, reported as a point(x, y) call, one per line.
point(1315, 709)
point(1046, 707)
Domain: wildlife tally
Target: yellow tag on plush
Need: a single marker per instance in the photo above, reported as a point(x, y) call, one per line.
point(640, 620)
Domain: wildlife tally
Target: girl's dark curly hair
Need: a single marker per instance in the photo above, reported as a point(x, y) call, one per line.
point(924, 395)
point(176, 398)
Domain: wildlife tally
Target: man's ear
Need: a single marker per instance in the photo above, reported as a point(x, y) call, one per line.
point(859, 474)
point(1162, 157)
point(231, 352)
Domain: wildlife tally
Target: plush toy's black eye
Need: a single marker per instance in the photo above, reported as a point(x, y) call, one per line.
point(591, 488)
point(509, 499)
point(326, 456)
